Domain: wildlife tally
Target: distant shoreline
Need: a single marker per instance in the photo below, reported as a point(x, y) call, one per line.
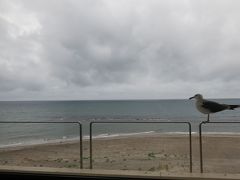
point(144, 99)
point(117, 136)
point(114, 136)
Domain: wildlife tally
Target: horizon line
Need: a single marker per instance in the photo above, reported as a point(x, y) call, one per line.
point(143, 99)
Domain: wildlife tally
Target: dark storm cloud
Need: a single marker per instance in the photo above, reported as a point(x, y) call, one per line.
point(119, 49)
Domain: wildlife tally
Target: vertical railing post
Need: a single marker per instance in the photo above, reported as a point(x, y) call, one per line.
point(90, 148)
point(200, 146)
point(190, 145)
point(80, 145)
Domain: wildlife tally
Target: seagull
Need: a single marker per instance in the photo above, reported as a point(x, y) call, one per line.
point(208, 107)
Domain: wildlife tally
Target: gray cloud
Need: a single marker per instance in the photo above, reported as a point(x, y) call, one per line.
point(118, 49)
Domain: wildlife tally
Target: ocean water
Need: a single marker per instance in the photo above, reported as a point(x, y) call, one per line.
point(109, 110)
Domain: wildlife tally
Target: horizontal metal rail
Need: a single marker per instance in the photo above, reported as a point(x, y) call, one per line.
point(200, 136)
point(56, 122)
point(142, 122)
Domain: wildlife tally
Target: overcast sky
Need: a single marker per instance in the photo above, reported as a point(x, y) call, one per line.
point(119, 49)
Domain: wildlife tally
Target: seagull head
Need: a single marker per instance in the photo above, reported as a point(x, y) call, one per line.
point(197, 97)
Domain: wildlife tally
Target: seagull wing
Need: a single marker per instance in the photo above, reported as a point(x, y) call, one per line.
point(214, 106)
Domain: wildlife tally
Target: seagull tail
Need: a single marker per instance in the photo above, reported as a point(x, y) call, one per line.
point(232, 107)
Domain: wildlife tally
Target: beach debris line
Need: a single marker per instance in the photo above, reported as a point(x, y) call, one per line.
point(207, 107)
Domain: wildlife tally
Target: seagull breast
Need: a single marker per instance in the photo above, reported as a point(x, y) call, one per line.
point(200, 107)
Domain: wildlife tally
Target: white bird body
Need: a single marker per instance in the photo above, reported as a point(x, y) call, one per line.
point(208, 107)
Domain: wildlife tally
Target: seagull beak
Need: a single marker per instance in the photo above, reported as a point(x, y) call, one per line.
point(192, 97)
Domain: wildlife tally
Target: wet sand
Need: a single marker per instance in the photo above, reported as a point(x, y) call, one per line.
point(152, 152)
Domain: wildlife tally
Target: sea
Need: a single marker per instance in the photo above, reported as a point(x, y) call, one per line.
point(87, 111)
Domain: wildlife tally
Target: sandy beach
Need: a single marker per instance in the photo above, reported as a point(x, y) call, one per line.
point(152, 152)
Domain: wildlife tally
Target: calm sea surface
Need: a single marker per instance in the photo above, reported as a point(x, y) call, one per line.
point(114, 110)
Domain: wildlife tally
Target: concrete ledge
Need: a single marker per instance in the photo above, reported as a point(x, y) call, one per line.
point(67, 173)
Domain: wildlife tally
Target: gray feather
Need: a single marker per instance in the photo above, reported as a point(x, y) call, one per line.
point(213, 106)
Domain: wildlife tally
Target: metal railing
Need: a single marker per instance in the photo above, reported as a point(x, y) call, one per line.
point(200, 136)
point(129, 122)
point(142, 122)
point(56, 122)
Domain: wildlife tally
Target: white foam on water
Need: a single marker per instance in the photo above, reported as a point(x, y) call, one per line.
point(106, 135)
point(65, 139)
point(39, 142)
point(221, 133)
